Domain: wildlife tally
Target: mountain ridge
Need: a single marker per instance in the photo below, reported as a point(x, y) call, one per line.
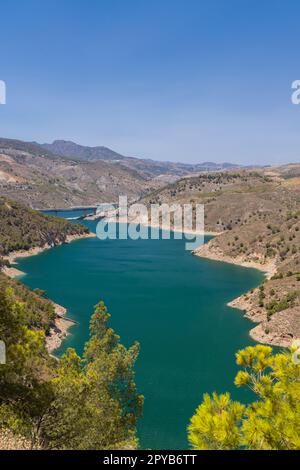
point(70, 149)
point(34, 175)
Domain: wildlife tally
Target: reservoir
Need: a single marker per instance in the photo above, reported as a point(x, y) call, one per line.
point(173, 303)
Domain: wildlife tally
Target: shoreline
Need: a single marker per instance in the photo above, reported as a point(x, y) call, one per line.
point(148, 224)
point(202, 233)
point(60, 330)
point(205, 251)
point(259, 333)
point(18, 254)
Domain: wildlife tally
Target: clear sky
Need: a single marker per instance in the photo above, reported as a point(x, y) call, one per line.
point(182, 80)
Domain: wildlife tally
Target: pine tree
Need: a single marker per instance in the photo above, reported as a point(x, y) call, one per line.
point(24, 387)
point(73, 402)
point(96, 405)
point(270, 422)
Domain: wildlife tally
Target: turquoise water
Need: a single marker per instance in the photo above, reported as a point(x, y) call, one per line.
point(70, 213)
point(173, 303)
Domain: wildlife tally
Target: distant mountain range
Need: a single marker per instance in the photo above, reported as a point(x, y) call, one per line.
point(64, 174)
point(147, 167)
point(32, 174)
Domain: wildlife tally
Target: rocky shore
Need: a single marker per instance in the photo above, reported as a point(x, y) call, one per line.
point(279, 330)
point(59, 331)
point(209, 251)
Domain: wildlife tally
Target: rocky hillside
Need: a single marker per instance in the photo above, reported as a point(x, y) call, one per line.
point(257, 217)
point(41, 179)
point(22, 228)
point(64, 174)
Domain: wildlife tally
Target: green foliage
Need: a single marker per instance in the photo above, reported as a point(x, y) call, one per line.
point(216, 423)
point(71, 403)
point(4, 263)
point(40, 313)
point(287, 301)
point(23, 228)
point(105, 407)
point(271, 422)
point(24, 389)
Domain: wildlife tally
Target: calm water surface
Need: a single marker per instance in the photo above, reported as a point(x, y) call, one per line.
point(173, 303)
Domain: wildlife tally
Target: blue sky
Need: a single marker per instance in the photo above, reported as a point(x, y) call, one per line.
point(182, 80)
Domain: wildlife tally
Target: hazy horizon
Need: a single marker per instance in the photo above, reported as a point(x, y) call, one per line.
point(169, 81)
point(165, 160)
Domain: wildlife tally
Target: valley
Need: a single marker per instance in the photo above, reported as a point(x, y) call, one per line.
point(254, 213)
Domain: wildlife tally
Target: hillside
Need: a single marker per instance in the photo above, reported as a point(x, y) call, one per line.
point(24, 231)
point(257, 216)
point(40, 179)
point(29, 147)
point(41, 311)
point(64, 174)
point(22, 228)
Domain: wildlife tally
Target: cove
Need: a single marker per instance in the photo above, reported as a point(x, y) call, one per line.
point(173, 303)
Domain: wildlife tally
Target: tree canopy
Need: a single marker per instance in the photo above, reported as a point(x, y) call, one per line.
point(75, 402)
point(271, 422)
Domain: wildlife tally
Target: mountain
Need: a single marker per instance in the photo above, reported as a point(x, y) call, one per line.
point(14, 145)
point(42, 179)
point(64, 174)
point(70, 149)
point(147, 167)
